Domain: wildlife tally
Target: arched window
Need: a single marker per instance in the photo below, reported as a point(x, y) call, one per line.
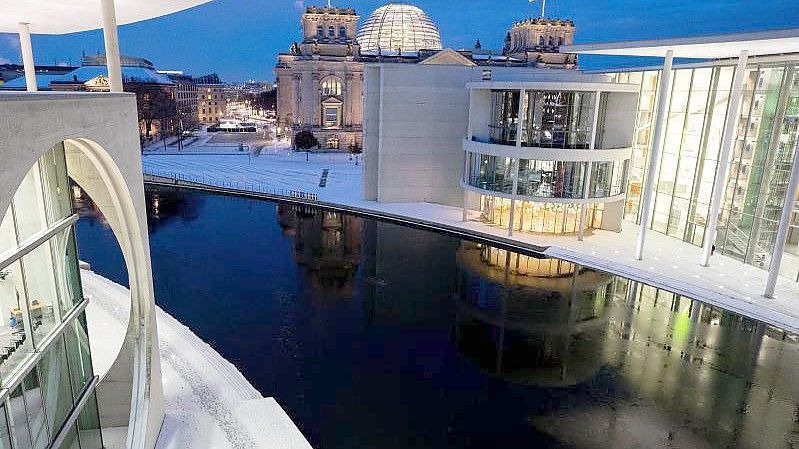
point(320, 32)
point(342, 33)
point(541, 41)
point(331, 31)
point(331, 86)
point(551, 41)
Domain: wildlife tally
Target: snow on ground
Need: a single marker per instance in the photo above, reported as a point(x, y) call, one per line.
point(275, 170)
point(669, 263)
point(208, 402)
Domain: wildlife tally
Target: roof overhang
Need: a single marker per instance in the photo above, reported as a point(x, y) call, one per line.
point(62, 17)
point(760, 43)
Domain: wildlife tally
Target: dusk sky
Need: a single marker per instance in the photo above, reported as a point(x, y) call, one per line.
point(239, 39)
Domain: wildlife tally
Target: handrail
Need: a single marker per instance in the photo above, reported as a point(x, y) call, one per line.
point(183, 179)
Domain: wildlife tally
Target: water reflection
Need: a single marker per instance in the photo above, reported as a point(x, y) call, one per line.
point(448, 343)
point(326, 244)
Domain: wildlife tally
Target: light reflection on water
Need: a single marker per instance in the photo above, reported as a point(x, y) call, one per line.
point(371, 335)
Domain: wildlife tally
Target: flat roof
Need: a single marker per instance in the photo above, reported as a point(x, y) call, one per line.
point(721, 46)
point(72, 16)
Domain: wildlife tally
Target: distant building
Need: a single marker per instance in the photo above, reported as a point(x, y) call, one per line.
point(538, 41)
point(320, 80)
point(155, 92)
point(211, 99)
point(186, 98)
point(10, 72)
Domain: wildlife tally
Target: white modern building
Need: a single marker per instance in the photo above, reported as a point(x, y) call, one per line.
point(536, 150)
point(714, 160)
point(50, 397)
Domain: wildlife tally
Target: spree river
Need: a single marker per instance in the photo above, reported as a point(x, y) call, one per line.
point(374, 335)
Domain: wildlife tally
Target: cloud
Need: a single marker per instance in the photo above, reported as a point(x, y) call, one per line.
point(5, 60)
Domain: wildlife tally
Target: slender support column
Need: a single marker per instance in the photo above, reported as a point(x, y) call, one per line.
point(587, 182)
point(111, 39)
point(27, 57)
point(465, 182)
point(724, 158)
point(515, 194)
point(785, 221)
point(647, 196)
point(519, 125)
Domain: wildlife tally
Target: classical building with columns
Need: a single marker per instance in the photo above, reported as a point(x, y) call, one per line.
point(538, 41)
point(320, 80)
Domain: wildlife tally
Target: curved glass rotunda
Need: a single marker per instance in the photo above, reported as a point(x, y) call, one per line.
point(398, 28)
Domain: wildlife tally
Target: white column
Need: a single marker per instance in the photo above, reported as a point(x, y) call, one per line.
point(513, 198)
point(111, 39)
point(465, 182)
point(647, 196)
point(785, 221)
point(724, 158)
point(519, 120)
point(587, 181)
point(27, 57)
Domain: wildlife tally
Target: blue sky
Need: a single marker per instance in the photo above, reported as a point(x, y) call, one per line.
point(239, 39)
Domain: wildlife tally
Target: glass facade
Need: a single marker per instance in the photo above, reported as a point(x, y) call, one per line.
point(538, 217)
point(39, 291)
point(550, 119)
point(759, 168)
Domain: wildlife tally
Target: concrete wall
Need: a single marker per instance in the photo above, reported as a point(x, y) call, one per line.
point(619, 111)
point(419, 117)
point(101, 135)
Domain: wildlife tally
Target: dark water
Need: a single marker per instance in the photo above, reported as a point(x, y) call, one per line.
point(373, 335)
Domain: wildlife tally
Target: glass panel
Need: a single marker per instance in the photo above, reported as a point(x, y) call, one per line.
point(42, 294)
point(19, 420)
point(15, 342)
point(558, 119)
point(89, 425)
point(71, 441)
point(29, 205)
point(504, 117)
point(78, 356)
point(5, 431)
point(56, 389)
point(68, 272)
point(35, 410)
point(56, 184)
point(8, 235)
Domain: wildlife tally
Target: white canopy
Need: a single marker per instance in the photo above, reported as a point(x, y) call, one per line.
point(71, 16)
point(773, 42)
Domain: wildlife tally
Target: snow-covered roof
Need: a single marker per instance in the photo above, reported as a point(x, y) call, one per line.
point(61, 17)
point(86, 73)
point(42, 81)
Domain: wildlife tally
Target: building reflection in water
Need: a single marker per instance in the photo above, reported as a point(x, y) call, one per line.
point(527, 319)
point(165, 204)
point(624, 364)
point(327, 244)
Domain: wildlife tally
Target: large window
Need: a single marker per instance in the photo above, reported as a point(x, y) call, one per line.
point(331, 87)
point(332, 115)
point(504, 117)
point(39, 289)
point(556, 119)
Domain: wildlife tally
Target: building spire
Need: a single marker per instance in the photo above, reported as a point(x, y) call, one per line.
point(328, 4)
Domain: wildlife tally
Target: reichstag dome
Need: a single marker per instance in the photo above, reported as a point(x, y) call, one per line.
point(398, 28)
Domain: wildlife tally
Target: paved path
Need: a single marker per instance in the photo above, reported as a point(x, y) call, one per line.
point(208, 402)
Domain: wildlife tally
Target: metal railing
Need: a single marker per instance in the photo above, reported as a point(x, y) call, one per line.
point(186, 180)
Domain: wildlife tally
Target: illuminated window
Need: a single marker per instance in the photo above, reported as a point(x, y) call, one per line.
point(333, 143)
point(332, 116)
point(331, 86)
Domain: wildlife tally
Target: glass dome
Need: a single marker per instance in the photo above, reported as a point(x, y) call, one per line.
point(398, 28)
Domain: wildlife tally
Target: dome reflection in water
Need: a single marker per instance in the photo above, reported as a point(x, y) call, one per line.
point(371, 334)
